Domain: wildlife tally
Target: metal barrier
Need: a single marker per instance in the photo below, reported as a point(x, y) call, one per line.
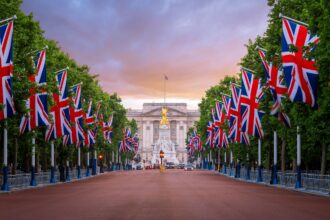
point(22, 180)
point(310, 181)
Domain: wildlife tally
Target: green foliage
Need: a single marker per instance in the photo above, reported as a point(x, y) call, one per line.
point(313, 123)
point(28, 36)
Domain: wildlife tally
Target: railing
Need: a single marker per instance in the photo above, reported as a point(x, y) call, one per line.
point(310, 181)
point(22, 180)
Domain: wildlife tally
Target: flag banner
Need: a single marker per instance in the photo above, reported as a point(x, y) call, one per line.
point(60, 112)
point(76, 118)
point(89, 116)
point(196, 141)
point(109, 130)
point(129, 143)
point(226, 102)
point(6, 71)
point(209, 134)
point(300, 73)
point(251, 93)
point(89, 119)
point(235, 132)
point(103, 126)
point(37, 102)
point(97, 112)
point(220, 135)
point(89, 138)
point(275, 82)
point(216, 137)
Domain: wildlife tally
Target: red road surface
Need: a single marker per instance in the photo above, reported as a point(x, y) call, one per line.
point(175, 194)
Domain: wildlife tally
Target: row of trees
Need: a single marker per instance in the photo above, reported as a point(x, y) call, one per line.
point(314, 123)
point(28, 36)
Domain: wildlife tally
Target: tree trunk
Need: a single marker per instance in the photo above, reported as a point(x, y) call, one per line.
point(268, 158)
point(13, 171)
point(323, 158)
point(283, 156)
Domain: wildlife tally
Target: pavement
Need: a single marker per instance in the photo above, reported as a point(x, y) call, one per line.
point(175, 194)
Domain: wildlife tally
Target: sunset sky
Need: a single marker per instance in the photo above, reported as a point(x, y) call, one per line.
point(131, 44)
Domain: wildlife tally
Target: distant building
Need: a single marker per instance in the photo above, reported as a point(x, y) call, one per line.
point(148, 119)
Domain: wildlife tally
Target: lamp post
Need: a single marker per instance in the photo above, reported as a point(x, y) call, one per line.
point(101, 163)
point(161, 155)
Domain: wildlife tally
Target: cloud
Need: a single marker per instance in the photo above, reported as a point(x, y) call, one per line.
point(131, 44)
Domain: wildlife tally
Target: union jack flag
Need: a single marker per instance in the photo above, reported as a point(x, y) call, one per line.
point(97, 112)
point(250, 95)
point(196, 141)
point(301, 74)
point(104, 126)
point(109, 126)
point(89, 138)
point(226, 102)
point(6, 70)
point(89, 120)
point(122, 146)
point(76, 118)
point(215, 119)
point(89, 116)
point(216, 114)
point(37, 102)
point(220, 136)
point(235, 132)
point(275, 82)
point(50, 132)
point(60, 111)
point(209, 134)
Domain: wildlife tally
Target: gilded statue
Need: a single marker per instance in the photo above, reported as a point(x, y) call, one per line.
point(164, 120)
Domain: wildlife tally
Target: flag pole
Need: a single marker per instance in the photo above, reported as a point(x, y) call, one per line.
point(34, 51)
point(87, 168)
point(9, 19)
point(248, 166)
point(259, 178)
point(275, 159)
point(219, 160)
point(5, 185)
point(231, 163)
point(67, 171)
point(294, 20)
point(78, 167)
point(247, 69)
point(66, 68)
point(239, 86)
point(78, 84)
point(94, 163)
point(52, 176)
point(33, 162)
point(298, 182)
point(225, 162)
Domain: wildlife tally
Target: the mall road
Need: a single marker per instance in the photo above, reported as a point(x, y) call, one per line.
point(175, 194)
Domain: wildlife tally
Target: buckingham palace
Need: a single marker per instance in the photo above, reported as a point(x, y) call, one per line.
point(148, 120)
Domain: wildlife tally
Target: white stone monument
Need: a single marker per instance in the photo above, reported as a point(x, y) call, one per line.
point(165, 144)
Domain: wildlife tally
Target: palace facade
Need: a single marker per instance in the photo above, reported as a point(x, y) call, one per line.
point(148, 121)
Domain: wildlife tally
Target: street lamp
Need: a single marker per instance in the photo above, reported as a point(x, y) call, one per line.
point(101, 163)
point(161, 155)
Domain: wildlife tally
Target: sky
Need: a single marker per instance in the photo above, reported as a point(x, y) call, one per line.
point(132, 44)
